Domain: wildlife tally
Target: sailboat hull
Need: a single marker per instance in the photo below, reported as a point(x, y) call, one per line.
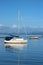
point(16, 42)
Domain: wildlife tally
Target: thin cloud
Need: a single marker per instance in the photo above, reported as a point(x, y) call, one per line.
point(14, 26)
point(35, 26)
point(1, 25)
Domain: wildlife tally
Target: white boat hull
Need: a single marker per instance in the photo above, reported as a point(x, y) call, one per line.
point(16, 42)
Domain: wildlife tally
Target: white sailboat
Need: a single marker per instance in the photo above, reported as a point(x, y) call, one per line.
point(16, 39)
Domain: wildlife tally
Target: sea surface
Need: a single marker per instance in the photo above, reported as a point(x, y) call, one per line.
point(30, 53)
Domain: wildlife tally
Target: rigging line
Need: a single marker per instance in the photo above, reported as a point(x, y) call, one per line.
point(19, 21)
point(25, 31)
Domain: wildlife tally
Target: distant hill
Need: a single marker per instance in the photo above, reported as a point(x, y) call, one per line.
point(22, 30)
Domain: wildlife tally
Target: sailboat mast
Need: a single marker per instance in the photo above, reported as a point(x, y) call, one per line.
point(18, 22)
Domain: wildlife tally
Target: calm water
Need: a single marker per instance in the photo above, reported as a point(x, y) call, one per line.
point(29, 54)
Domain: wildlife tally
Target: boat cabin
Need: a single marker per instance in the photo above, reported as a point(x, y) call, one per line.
point(9, 38)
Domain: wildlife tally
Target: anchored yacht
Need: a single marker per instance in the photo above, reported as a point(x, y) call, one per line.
point(15, 40)
point(34, 37)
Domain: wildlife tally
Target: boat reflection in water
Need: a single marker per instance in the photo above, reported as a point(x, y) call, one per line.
point(18, 46)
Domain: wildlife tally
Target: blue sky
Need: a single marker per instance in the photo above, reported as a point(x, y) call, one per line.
point(31, 12)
